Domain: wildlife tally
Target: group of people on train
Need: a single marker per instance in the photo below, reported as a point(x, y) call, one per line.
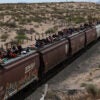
point(16, 50)
point(61, 34)
point(12, 52)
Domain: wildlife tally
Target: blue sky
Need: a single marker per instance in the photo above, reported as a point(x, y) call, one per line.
point(14, 1)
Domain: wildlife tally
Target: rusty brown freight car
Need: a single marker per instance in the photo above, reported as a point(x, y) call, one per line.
point(20, 72)
point(91, 35)
point(54, 54)
point(77, 41)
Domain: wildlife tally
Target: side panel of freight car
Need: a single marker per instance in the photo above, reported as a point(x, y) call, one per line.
point(2, 91)
point(98, 31)
point(55, 54)
point(91, 35)
point(77, 42)
point(20, 74)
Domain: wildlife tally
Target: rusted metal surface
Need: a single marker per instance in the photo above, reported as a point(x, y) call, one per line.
point(19, 74)
point(55, 54)
point(91, 35)
point(77, 42)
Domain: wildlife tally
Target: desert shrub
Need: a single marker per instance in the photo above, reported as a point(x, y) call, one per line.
point(20, 38)
point(99, 66)
point(32, 30)
point(92, 89)
point(1, 24)
point(76, 19)
point(21, 35)
point(4, 37)
point(11, 24)
point(8, 24)
point(36, 26)
point(51, 95)
point(21, 31)
point(38, 19)
point(50, 30)
point(83, 84)
point(22, 21)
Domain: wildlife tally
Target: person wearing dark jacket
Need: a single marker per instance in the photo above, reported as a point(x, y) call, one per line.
point(19, 49)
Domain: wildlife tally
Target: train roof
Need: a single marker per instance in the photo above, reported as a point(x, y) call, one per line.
point(9, 61)
point(54, 43)
point(75, 34)
point(22, 56)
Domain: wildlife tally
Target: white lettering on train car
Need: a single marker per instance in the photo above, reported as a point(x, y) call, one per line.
point(29, 67)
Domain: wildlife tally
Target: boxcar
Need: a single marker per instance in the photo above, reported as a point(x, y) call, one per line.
point(91, 35)
point(19, 73)
point(77, 41)
point(98, 31)
point(54, 54)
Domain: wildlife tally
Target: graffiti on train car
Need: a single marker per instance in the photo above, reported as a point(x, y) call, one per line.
point(29, 67)
point(11, 88)
point(30, 75)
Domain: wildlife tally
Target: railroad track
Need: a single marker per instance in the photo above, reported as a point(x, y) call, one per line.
point(21, 95)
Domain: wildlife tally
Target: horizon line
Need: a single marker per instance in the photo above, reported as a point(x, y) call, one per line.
point(48, 2)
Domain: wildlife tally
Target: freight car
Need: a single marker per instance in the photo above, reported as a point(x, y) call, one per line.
point(91, 35)
point(19, 72)
point(53, 54)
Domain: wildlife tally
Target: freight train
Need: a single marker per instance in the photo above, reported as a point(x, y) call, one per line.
point(18, 73)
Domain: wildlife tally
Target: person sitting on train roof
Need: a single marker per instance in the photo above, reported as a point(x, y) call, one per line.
point(81, 27)
point(50, 39)
point(60, 34)
point(87, 25)
point(37, 44)
point(10, 54)
point(27, 49)
point(55, 37)
point(1, 61)
point(98, 22)
point(4, 54)
point(0, 54)
point(14, 49)
point(19, 48)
